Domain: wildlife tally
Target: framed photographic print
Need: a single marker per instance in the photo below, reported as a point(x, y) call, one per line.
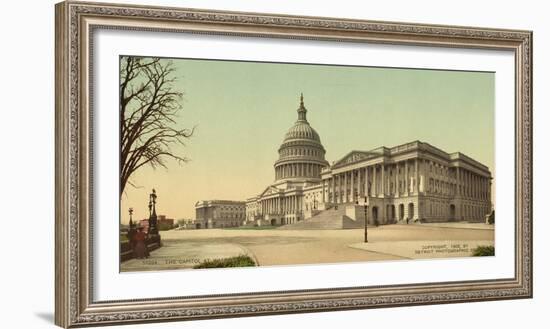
point(217, 164)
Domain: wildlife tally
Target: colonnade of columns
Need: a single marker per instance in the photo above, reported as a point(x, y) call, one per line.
point(472, 185)
point(405, 178)
point(378, 180)
point(297, 170)
point(281, 205)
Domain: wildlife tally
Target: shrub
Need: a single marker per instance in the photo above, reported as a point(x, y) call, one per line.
point(238, 261)
point(484, 251)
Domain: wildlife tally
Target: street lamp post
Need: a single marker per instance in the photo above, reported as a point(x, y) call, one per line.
point(153, 229)
point(131, 222)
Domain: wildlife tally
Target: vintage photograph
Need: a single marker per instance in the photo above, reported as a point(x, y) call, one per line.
point(237, 163)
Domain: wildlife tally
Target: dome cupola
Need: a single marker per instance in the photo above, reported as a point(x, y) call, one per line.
point(301, 155)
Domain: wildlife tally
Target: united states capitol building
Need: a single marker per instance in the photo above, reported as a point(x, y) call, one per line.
point(409, 183)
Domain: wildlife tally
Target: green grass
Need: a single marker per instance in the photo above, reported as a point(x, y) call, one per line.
point(123, 238)
point(238, 261)
point(484, 251)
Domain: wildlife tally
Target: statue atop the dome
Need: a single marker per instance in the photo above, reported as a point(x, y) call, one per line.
point(302, 109)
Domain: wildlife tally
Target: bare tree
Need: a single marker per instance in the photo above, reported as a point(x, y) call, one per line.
point(149, 107)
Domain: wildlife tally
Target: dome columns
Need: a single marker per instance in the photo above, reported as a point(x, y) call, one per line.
point(308, 170)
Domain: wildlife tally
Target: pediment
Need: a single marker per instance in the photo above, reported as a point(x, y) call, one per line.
point(269, 190)
point(352, 157)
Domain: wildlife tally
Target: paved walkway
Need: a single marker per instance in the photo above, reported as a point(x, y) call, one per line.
point(462, 225)
point(185, 248)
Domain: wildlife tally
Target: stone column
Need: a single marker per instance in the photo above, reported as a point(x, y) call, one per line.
point(407, 178)
point(352, 186)
point(466, 185)
point(483, 188)
point(488, 189)
point(345, 199)
point(479, 187)
point(416, 177)
point(473, 185)
point(340, 198)
point(481, 178)
point(476, 188)
point(458, 183)
point(396, 179)
point(333, 179)
point(289, 203)
point(470, 189)
point(470, 184)
point(374, 187)
point(383, 179)
point(323, 190)
point(463, 182)
point(464, 175)
point(359, 183)
point(285, 204)
point(367, 181)
point(481, 196)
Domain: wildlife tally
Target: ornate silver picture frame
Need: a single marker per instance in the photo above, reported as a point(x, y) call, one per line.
point(76, 23)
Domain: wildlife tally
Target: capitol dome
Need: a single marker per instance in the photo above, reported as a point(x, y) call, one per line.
point(301, 155)
point(302, 130)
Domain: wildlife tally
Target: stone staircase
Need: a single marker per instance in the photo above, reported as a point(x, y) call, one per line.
point(330, 219)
